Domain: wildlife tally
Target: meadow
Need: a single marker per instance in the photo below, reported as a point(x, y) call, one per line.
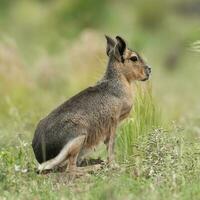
point(50, 50)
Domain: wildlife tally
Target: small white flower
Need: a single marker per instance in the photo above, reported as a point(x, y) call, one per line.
point(25, 144)
point(17, 168)
point(151, 172)
point(24, 170)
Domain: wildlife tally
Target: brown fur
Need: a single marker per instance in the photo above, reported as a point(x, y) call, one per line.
point(93, 113)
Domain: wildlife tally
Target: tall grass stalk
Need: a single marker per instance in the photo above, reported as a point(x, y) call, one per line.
point(145, 116)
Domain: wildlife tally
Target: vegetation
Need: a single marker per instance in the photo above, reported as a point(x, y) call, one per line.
point(49, 50)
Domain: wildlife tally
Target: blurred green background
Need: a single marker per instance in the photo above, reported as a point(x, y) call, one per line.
point(51, 49)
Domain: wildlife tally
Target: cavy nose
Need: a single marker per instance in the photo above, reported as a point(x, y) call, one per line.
point(148, 69)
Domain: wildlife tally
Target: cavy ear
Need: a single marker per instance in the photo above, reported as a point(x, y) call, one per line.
point(110, 44)
point(120, 48)
point(121, 45)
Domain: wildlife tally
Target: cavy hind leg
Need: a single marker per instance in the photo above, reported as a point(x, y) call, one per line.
point(75, 143)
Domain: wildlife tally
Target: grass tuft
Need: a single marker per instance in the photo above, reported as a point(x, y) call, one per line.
point(145, 117)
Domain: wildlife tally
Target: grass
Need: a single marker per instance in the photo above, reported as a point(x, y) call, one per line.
point(145, 116)
point(155, 161)
point(49, 50)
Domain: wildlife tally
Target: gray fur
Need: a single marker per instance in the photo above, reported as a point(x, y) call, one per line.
point(94, 112)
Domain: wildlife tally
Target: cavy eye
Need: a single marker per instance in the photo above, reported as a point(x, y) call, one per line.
point(134, 58)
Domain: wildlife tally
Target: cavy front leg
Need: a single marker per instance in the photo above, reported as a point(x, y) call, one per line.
point(110, 148)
